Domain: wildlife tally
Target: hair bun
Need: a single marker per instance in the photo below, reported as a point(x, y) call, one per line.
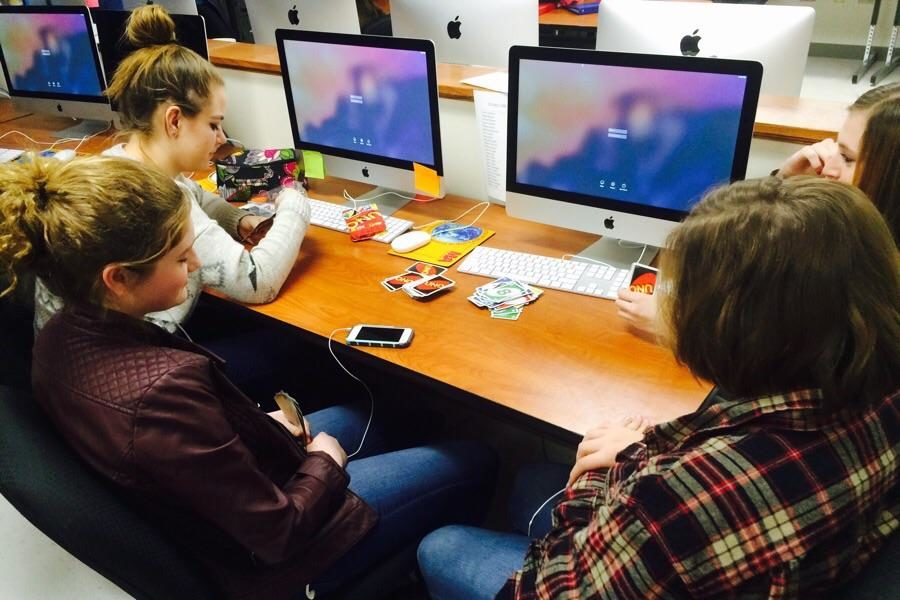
point(150, 25)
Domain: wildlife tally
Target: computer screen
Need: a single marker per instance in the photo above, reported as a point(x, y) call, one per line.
point(776, 36)
point(190, 32)
point(368, 103)
point(330, 16)
point(51, 62)
point(623, 145)
point(471, 32)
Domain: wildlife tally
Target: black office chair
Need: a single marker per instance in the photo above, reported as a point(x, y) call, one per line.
point(60, 495)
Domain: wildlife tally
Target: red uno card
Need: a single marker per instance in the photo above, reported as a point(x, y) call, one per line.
point(643, 279)
point(395, 282)
point(430, 286)
point(425, 269)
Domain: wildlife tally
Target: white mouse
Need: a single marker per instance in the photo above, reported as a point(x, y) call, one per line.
point(64, 155)
point(410, 241)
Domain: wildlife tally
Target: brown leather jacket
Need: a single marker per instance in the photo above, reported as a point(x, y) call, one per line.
point(154, 414)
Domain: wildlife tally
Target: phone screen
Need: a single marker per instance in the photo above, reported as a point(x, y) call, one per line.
point(380, 334)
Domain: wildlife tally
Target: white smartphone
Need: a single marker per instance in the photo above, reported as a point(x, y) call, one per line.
point(383, 336)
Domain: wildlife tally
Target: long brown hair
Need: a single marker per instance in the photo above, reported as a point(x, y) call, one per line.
point(878, 171)
point(159, 71)
point(774, 285)
point(64, 222)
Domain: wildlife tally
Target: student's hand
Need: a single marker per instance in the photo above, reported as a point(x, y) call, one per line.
point(299, 432)
point(330, 446)
point(253, 228)
point(600, 445)
point(638, 309)
point(809, 160)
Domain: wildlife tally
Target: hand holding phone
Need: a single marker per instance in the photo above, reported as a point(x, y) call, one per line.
point(383, 336)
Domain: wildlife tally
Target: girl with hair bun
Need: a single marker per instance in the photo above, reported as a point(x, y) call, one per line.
point(172, 104)
point(262, 506)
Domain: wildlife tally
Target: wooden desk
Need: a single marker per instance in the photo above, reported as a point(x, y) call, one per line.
point(785, 119)
point(568, 361)
point(8, 112)
point(38, 127)
point(566, 18)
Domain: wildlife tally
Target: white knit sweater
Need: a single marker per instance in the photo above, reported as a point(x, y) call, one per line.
point(254, 276)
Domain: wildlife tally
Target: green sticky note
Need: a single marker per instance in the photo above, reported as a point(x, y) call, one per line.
point(313, 165)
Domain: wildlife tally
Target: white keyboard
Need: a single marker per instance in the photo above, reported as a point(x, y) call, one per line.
point(590, 279)
point(8, 154)
point(328, 215)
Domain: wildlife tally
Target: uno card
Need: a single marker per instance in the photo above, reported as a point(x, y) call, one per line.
point(643, 279)
point(395, 282)
point(429, 287)
point(425, 269)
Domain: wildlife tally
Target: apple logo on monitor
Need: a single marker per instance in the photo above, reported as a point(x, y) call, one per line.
point(609, 223)
point(690, 44)
point(294, 15)
point(365, 171)
point(453, 28)
point(59, 107)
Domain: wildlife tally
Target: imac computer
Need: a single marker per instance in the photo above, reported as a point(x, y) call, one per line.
point(52, 65)
point(623, 145)
point(190, 31)
point(330, 16)
point(469, 32)
point(174, 7)
point(368, 103)
point(776, 36)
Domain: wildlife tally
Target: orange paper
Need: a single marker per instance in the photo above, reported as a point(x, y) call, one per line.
point(427, 180)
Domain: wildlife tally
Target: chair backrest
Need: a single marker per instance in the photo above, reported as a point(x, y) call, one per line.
point(62, 497)
point(880, 579)
point(16, 327)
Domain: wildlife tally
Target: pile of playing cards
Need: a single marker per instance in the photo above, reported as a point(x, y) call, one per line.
point(506, 298)
point(421, 280)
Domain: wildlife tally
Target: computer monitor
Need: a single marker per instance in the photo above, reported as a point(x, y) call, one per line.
point(623, 145)
point(368, 103)
point(190, 31)
point(470, 32)
point(173, 7)
point(52, 65)
point(776, 36)
point(330, 16)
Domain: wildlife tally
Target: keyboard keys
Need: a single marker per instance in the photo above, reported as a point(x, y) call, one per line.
point(580, 277)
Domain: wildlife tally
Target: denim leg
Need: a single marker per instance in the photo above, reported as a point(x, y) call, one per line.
point(468, 563)
point(346, 423)
point(414, 491)
point(533, 485)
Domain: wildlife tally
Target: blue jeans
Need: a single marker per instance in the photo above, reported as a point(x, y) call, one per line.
point(469, 563)
point(414, 491)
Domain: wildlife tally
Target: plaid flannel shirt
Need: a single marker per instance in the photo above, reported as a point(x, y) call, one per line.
point(763, 498)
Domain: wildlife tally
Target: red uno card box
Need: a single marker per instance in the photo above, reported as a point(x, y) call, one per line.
point(256, 170)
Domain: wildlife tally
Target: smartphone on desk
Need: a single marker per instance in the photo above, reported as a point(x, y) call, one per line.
point(383, 336)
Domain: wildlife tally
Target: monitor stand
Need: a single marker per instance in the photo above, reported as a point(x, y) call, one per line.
point(81, 128)
point(618, 253)
point(388, 201)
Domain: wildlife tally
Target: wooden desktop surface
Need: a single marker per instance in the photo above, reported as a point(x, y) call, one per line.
point(781, 118)
point(563, 17)
point(569, 361)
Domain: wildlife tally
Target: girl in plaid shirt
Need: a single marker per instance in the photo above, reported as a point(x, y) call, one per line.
point(786, 294)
